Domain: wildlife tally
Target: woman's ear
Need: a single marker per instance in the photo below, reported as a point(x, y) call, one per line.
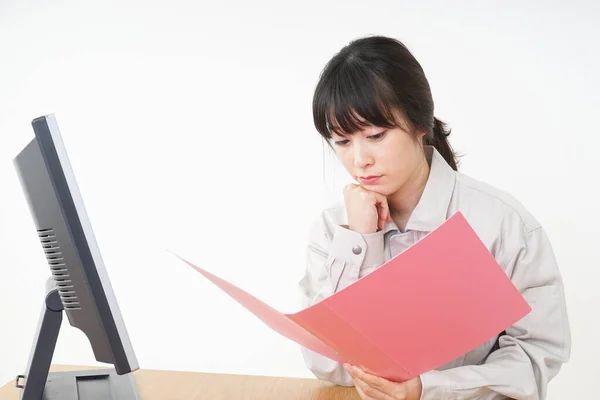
point(421, 137)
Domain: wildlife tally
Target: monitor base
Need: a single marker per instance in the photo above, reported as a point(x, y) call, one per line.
point(38, 383)
point(100, 384)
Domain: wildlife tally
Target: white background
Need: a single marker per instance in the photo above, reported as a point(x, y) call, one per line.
point(189, 127)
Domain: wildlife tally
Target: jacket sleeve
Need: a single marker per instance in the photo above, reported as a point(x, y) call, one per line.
point(335, 256)
point(533, 349)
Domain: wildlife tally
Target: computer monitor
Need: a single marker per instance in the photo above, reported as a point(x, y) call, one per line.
point(79, 285)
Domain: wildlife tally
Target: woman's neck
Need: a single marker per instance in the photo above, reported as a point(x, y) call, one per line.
point(403, 202)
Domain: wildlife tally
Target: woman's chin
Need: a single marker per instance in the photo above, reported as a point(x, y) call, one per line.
point(380, 189)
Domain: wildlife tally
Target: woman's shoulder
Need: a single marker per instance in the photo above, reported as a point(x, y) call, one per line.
point(493, 211)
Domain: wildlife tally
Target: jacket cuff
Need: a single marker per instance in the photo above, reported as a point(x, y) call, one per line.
point(357, 248)
point(435, 385)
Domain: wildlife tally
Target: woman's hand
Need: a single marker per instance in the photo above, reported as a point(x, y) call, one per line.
point(371, 387)
point(367, 210)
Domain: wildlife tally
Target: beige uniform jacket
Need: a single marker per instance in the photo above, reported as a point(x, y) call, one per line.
point(524, 359)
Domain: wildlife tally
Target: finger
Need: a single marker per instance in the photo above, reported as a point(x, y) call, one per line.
point(360, 392)
point(365, 391)
point(388, 214)
point(384, 217)
point(349, 188)
point(380, 217)
point(384, 211)
point(383, 385)
point(382, 201)
point(370, 392)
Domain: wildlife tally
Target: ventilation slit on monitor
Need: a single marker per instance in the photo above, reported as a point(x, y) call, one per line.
point(58, 268)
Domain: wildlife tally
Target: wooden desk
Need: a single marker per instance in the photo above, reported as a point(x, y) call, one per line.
point(176, 385)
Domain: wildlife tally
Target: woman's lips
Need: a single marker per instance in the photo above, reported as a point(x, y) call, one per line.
point(369, 180)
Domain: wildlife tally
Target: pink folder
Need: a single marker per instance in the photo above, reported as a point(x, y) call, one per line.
point(439, 299)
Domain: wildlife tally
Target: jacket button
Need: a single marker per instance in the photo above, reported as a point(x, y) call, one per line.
point(357, 249)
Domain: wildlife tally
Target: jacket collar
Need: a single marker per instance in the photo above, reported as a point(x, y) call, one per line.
point(432, 209)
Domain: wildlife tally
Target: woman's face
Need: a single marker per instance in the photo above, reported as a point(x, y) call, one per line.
point(383, 160)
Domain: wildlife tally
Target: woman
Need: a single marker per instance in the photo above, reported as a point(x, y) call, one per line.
point(374, 105)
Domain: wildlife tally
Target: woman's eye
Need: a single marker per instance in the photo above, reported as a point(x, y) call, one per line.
point(341, 142)
point(377, 136)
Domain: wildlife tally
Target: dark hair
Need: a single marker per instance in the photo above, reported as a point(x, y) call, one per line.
point(370, 81)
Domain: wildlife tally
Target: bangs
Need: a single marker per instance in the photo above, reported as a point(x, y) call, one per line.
point(350, 98)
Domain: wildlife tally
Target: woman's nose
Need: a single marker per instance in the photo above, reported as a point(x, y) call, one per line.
point(362, 156)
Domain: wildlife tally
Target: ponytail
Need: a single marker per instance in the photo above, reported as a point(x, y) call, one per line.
point(439, 140)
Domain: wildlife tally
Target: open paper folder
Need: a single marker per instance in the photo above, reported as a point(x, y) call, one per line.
point(439, 299)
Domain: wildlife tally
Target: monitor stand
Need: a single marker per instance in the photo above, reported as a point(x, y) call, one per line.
point(38, 383)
